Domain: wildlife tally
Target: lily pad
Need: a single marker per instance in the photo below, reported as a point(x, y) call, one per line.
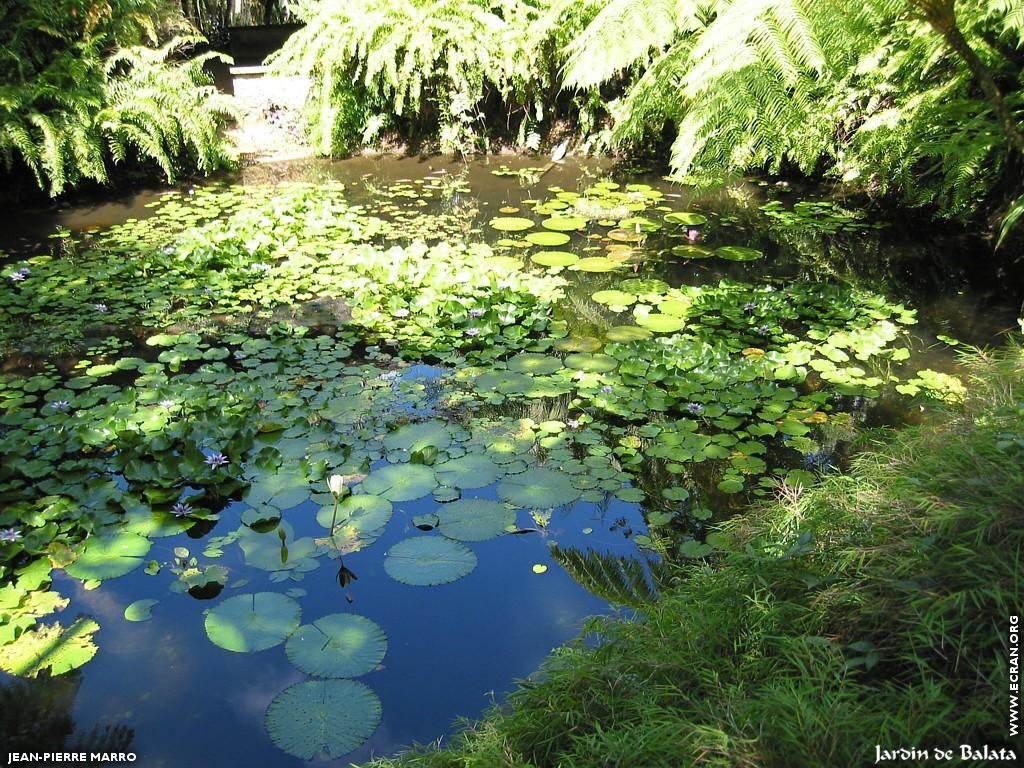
point(50, 647)
point(626, 333)
point(554, 258)
point(536, 364)
point(109, 556)
point(738, 253)
point(253, 622)
point(583, 361)
point(596, 264)
point(690, 251)
point(467, 472)
point(140, 610)
point(364, 513)
point(474, 519)
point(511, 224)
point(400, 482)
point(660, 323)
point(426, 561)
point(338, 645)
point(564, 223)
point(548, 239)
point(686, 218)
point(538, 488)
point(413, 437)
point(323, 718)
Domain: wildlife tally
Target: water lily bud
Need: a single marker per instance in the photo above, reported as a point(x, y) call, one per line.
point(336, 484)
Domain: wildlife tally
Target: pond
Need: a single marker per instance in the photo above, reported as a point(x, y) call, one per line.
point(308, 463)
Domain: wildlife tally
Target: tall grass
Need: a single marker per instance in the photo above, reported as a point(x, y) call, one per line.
point(870, 610)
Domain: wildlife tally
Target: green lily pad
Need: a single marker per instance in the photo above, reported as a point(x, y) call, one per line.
point(548, 239)
point(363, 513)
point(323, 718)
point(738, 253)
point(252, 622)
point(467, 472)
point(554, 258)
point(614, 298)
point(627, 333)
point(109, 556)
point(266, 551)
point(511, 224)
point(534, 363)
point(140, 610)
point(538, 488)
point(660, 323)
point(474, 519)
point(686, 218)
point(596, 264)
point(50, 647)
point(689, 251)
point(400, 482)
point(426, 561)
point(564, 223)
point(413, 437)
point(338, 645)
point(582, 361)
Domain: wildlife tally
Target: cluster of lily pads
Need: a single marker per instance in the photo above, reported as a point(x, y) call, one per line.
point(247, 346)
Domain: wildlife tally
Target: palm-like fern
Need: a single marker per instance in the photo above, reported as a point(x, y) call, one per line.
point(619, 580)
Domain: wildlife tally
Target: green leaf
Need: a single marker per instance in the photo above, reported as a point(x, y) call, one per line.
point(252, 622)
point(52, 648)
point(474, 519)
point(338, 645)
point(426, 561)
point(323, 719)
point(538, 488)
point(400, 482)
point(109, 556)
point(140, 610)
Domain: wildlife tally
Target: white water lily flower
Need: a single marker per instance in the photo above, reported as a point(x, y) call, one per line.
point(336, 484)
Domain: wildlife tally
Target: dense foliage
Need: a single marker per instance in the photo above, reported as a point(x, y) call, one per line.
point(869, 610)
point(919, 98)
point(79, 91)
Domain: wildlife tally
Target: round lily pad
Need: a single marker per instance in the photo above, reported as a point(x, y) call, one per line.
point(400, 482)
point(511, 224)
point(686, 218)
point(626, 333)
point(532, 362)
point(467, 472)
point(614, 298)
point(363, 512)
point(338, 645)
point(596, 264)
point(564, 223)
point(474, 519)
point(252, 622)
point(548, 239)
point(660, 323)
point(413, 437)
point(109, 556)
point(323, 718)
point(583, 361)
point(140, 610)
point(689, 251)
point(554, 258)
point(538, 488)
point(578, 344)
point(738, 253)
point(426, 561)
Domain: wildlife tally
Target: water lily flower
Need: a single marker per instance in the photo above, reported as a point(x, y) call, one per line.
point(749, 306)
point(764, 330)
point(10, 535)
point(607, 389)
point(388, 376)
point(695, 408)
point(693, 235)
point(16, 277)
point(472, 331)
point(475, 312)
point(573, 423)
point(60, 405)
point(101, 307)
point(336, 484)
point(401, 312)
point(181, 509)
point(215, 460)
point(167, 403)
point(259, 266)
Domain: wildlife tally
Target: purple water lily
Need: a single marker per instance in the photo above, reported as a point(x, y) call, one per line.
point(764, 330)
point(693, 235)
point(472, 331)
point(215, 460)
point(749, 306)
point(101, 307)
point(475, 312)
point(259, 266)
point(695, 408)
point(60, 405)
point(181, 509)
point(17, 277)
point(607, 389)
point(10, 535)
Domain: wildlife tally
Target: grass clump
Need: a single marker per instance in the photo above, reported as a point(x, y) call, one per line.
point(870, 610)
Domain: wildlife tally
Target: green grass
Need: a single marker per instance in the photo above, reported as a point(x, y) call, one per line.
point(872, 609)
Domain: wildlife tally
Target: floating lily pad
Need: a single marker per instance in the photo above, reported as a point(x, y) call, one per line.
point(268, 552)
point(626, 333)
point(50, 647)
point(140, 610)
point(400, 482)
point(548, 239)
point(363, 513)
point(738, 253)
point(534, 363)
point(109, 556)
point(689, 251)
point(252, 622)
point(578, 344)
point(564, 223)
point(614, 298)
point(538, 488)
point(324, 719)
point(474, 519)
point(686, 218)
point(511, 224)
point(413, 437)
point(596, 264)
point(467, 472)
point(582, 361)
point(338, 645)
point(426, 561)
point(554, 258)
point(660, 323)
